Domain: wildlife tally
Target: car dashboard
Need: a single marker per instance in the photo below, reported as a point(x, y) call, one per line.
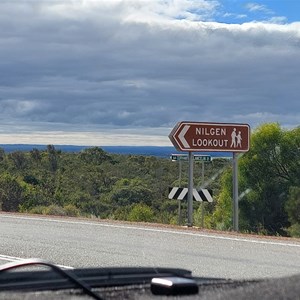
point(132, 283)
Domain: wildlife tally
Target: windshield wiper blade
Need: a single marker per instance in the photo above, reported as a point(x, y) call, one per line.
point(92, 277)
point(71, 277)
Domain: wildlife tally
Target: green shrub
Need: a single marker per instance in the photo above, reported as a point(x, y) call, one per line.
point(121, 213)
point(35, 210)
point(54, 210)
point(294, 230)
point(71, 210)
point(141, 213)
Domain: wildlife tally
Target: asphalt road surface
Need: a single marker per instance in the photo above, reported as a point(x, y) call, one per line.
point(71, 242)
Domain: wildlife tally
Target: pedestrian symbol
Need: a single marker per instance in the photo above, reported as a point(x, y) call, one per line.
point(236, 139)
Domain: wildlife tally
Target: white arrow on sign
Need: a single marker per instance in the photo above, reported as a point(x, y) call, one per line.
point(182, 134)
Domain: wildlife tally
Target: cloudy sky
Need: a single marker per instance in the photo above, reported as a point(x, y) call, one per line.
point(124, 72)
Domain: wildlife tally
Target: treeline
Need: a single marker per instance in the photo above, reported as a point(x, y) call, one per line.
point(94, 183)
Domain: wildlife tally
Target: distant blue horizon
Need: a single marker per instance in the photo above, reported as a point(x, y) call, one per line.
point(158, 151)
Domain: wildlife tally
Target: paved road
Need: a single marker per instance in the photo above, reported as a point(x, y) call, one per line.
point(87, 243)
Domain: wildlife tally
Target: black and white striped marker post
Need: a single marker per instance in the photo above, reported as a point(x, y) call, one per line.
point(181, 194)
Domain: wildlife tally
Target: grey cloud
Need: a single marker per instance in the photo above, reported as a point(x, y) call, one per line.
point(99, 67)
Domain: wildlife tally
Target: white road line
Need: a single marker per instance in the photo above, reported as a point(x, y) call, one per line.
point(237, 239)
point(13, 258)
point(9, 258)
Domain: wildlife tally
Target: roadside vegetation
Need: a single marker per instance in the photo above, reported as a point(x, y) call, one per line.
point(94, 183)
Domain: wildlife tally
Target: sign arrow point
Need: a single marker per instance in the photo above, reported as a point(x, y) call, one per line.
point(182, 134)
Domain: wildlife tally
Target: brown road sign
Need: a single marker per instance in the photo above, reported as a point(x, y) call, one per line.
point(199, 136)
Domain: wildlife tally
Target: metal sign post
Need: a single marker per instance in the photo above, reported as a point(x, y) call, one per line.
point(179, 201)
point(202, 203)
point(190, 190)
point(235, 192)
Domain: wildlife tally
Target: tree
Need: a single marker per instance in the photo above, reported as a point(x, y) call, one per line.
point(52, 157)
point(18, 159)
point(289, 151)
point(293, 210)
point(266, 172)
point(35, 155)
point(129, 191)
point(2, 154)
point(269, 169)
point(95, 156)
point(11, 193)
point(221, 218)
